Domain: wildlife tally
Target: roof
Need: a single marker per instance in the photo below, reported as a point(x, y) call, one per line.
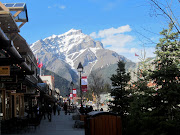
point(10, 13)
point(18, 10)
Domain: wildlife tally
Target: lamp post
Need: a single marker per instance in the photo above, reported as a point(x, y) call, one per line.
point(69, 96)
point(80, 69)
point(72, 91)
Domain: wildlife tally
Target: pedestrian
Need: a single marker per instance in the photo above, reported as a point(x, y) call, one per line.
point(86, 110)
point(35, 110)
point(38, 112)
point(90, 108)
point(65, 108)
point(58, 109)
point(49, 112)
point(54, 109)
point(43, 111)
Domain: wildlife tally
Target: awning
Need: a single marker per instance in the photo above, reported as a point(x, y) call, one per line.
point(8, 46)
point(43, 87)
point(49, 98)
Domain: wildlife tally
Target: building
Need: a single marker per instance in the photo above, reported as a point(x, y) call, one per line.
point(21, 88)
point(49, 80)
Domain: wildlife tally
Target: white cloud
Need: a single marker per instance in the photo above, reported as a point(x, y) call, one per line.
point(125, 44)
point(107, 5)
point(57, 6)
point(111, 31)
point(62, 7)
point(114, 38)
point(134, 50)
point(149, 52)
point(93, 35)
point(118, 40)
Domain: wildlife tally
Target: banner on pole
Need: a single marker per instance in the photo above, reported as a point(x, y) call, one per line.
point(84, 88)
point(71, 96)
point(84, 83)
point(74, 92)
point(84, 80)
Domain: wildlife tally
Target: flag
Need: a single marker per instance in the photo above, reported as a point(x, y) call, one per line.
point(84, 83)
point(74, 92)
point(40, 65)
point(136, 54)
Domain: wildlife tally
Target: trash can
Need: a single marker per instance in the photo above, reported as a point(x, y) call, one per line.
point(103, 123)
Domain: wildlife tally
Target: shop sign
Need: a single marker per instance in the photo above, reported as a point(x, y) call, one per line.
point(14, 86)
point(8, 79)
point(4, 70)
point(13, 91)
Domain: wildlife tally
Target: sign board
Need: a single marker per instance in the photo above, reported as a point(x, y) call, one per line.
point(4, 70)
point(84, 83)
point(74, 92)
point(8, 79)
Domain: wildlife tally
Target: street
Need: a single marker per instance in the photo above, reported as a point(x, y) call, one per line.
point(60, 125)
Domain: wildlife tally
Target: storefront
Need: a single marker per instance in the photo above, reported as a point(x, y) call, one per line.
point(11, 104)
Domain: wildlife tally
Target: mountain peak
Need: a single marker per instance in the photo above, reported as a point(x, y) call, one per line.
point(73, 32)
point(62, 53)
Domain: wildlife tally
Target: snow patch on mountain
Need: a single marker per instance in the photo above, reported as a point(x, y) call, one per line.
point(62, 53)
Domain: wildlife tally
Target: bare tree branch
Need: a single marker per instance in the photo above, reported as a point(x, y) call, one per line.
point(170, 18)
point(152, 42)
point(175, 19)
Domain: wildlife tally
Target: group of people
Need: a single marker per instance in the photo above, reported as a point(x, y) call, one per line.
point(47, 110)
point(85, 110)
point(43, 110)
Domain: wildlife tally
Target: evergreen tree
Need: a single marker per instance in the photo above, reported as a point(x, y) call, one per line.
point(138, 118)
point(155, 110)
point(119, 92)
point(167, 78)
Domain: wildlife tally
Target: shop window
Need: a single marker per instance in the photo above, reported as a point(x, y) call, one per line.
point(7, 103)
point(17, 106)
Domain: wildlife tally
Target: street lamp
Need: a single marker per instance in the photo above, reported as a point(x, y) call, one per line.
point(80, 69)
point(69, 96)
point(72, 91)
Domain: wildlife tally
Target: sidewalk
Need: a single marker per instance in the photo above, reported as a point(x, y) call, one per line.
point(60, 125)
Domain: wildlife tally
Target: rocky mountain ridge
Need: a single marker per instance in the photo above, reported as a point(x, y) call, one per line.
point(62, 53)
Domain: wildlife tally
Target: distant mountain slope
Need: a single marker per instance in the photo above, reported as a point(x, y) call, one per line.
point(62, 84)
point(62, 53)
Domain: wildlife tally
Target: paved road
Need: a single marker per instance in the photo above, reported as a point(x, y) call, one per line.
point(60, 125)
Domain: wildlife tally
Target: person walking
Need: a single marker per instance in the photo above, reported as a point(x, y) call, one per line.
point(65, 108)
point(49, 112)
point(35, 111)
point(54, 109)
point(43, 111)
point(58, 109)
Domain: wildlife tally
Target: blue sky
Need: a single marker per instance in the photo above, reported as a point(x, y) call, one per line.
point(124, 26)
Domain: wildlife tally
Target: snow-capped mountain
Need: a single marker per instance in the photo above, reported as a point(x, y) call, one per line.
point(62, 54)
